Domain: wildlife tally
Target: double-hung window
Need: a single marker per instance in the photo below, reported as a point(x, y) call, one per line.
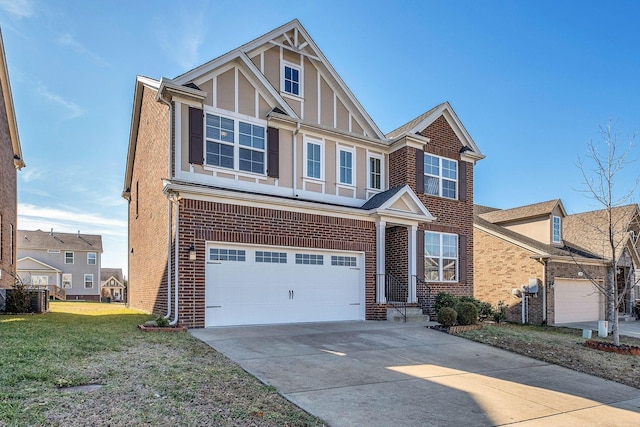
point(345, 167)
point(68, 257)
point(314, 160)
point(291, 79)
point(92, 258)
point(234, 144)
point(88, 281)
point(375, 173)
point(440, 257)
point(440, 176)
point(557, 230)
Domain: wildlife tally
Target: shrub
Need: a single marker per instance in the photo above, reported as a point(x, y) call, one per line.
point(444, 299)
point(485, 311)
point(500, 313)
point(467, 313)
point(447, 316)
point(162, 322)
point(19, 299)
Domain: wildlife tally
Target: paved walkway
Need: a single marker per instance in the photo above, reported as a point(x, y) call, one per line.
point(630, 329)
point(393, 374)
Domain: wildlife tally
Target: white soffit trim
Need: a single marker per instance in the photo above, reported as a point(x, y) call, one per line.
point(457, 126)
point(264, 201)
point(406, 193)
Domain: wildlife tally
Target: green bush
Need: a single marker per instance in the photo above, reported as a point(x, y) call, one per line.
point(447, 316)
point(500, 313)
point(19, 299)
point(162, 322)
point(467, 313)
point(444, 299)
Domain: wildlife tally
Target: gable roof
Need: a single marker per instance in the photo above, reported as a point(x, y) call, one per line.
point(39, 239)
point(400, 203)
point(535, 246)
point(308, 47)
point(522, 212)
point(7, 99)
point(107, 273)
point(423, 121)
point(45, 267)
point(589, 230)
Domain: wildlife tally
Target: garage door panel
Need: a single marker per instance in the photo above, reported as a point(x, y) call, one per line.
point(576, 301)
point(252, 291)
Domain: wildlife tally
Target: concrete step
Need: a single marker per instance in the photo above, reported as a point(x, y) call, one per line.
point(414, 315)
point(626, 318)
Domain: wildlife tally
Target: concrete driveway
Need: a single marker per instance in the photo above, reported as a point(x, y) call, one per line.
point(393, 374)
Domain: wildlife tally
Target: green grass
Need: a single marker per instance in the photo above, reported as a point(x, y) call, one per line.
point(147, 378)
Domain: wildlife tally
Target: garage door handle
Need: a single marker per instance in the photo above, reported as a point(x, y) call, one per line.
point(214, 306)
point(353, 268)
point(290, 294)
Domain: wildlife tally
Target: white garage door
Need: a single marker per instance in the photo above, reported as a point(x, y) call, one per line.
point(576, 301)
point(248, 285)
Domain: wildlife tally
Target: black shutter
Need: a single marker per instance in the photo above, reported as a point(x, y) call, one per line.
point(419, 171)
point(462, 258)
point(420, 254)
point(196, 136)
point(273, 152)
point(462, 181)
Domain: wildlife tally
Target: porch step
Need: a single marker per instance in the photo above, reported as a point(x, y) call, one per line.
point(626, 318)
point(414, 315)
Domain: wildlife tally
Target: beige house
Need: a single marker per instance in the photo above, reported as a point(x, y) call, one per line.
point(261, 191)
point(541, 261)
point(112, 284)
point(10, 162)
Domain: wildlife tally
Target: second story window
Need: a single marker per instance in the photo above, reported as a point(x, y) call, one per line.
point(291, 79)
point(92, 258)
point(345, 167)
point(68, 257)
point(313, 160)
point(375, 173)
point(440, 176)
point(557, 230)
point(235, 144)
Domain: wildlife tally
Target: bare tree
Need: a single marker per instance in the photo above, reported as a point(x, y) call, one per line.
point(600, 169)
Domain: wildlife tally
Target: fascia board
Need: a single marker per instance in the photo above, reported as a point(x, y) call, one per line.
point(218, 194)
point(408, 140)
point(47, 266)
point(141, 82)
point(9, 109)
point(407, 191)
point(169, 86)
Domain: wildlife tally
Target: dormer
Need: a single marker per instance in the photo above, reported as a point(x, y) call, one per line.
point(539, 221)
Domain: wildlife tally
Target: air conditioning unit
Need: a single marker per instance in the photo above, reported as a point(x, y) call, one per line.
point(532, 287)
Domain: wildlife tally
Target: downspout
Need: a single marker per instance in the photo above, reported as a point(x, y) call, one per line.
point(544, 291)
point(169, 207)
point(176, 254)
point(295, 159)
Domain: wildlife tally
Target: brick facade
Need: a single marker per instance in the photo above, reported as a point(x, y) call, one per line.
point(8, 203)
point(148, 211)
point(453, 216)
point(205, 221)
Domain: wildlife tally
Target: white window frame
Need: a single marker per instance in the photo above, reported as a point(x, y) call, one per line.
point(67, 277)
point(441, 257)
point(352, 151)
point(90, 276)
point(300, 70)
point(553, 229)
point(39, 280)
point(380, 158)
point(95, 258)
point(237, 118)
point(73, 256)
point(442, 178)
point(305, 150)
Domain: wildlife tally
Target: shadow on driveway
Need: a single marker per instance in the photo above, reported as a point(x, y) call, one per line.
point(387, 374)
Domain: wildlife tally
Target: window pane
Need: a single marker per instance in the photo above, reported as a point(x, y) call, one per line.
point(313, 160)
point(450, 245)
point(294, 75)
point(431, 185)
point(432, 244)
point(431, 165)
point(449, 169)
point(346, 168)
point(219, 154)
point(251, 161)
point(295, 89)
point(431, 269)
point(449, 269)
point(448, 189)
point(219, 128)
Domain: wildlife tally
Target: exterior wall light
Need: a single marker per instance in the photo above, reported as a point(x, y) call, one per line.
point(192, 253)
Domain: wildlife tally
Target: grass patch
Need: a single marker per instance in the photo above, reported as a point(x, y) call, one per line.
point(563, 347)
point(147, 378)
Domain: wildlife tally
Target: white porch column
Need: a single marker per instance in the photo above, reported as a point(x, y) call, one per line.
point(412, 296)
point(381, 228)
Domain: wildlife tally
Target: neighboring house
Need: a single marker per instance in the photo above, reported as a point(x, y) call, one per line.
point(67, 264)
point(112, 284)
point(538, 260)
point(260, 191)
point(10, 162)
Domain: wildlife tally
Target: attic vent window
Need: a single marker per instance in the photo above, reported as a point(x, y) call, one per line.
point(557, 230)
point(291, 79)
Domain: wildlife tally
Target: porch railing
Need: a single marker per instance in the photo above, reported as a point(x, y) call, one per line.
point(396, 293)
point(425, 298)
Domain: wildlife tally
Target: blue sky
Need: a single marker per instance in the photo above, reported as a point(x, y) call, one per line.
point(531, 81)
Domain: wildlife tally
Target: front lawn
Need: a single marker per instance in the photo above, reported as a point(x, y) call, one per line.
point(564, 347)
point(144, 378)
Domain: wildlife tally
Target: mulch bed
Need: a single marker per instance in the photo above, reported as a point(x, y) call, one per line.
point(161, 328)
point(609, 347)
point(456, 329)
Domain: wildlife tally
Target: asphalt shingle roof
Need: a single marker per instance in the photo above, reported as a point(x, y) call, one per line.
point(39, 239)
point(522, 212)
